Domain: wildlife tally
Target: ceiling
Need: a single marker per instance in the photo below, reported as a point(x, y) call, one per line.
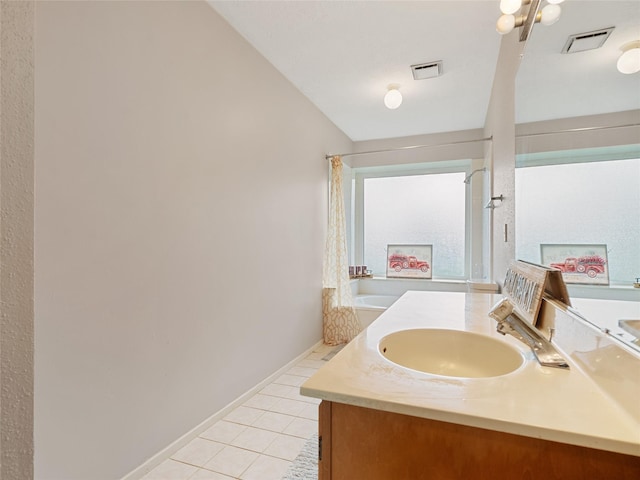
point(343, 54)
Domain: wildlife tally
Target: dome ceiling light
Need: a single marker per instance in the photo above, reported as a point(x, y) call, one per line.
point(629, 61)
point(420, 71)
point(393, 97)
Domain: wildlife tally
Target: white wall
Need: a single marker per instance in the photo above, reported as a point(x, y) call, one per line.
point(16, 245)
point(500, 157)
point(180, 212)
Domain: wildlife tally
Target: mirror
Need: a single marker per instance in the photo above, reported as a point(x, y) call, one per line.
point(552, 85)
point(574, 110)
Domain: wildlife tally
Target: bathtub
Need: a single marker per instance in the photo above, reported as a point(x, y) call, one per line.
point(370, 307)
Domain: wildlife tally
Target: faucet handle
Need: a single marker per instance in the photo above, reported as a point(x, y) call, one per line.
point(501, 310)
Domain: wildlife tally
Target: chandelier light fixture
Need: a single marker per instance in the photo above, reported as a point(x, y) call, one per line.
point(629, 61)
point(393, 97)
point(524, 13)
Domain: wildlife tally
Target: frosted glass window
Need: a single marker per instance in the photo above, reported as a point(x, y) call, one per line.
point(582, 203)
point(416, 209)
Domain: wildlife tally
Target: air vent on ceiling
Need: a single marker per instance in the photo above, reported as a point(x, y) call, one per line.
point(427, 70)
point(586, 41)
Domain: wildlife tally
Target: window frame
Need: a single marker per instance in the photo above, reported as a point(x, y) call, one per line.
point(466, 166)
point(570, 156)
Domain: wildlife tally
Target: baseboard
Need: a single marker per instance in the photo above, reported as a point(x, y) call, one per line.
point(173, 447)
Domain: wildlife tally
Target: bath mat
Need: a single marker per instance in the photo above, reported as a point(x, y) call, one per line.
point(333, 352)
point(305, 466)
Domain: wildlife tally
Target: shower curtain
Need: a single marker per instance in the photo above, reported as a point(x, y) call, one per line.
point(340, 321)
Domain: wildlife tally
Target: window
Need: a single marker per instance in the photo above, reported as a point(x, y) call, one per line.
point(580, 198)
point(424, 206)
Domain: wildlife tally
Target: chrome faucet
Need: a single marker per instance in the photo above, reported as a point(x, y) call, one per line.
point(510, 323)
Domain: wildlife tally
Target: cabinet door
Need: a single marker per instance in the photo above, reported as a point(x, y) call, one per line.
point(360, 443)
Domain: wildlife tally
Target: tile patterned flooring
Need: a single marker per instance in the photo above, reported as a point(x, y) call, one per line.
point(257, 440)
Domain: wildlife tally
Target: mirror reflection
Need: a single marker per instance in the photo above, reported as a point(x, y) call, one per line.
point(578, 158)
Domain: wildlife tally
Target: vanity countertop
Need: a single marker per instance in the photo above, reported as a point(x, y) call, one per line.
point(580, 406)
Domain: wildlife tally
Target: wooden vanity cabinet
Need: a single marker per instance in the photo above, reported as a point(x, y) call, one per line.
point(364, 444)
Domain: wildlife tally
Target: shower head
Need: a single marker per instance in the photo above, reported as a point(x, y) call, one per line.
point(467, 179)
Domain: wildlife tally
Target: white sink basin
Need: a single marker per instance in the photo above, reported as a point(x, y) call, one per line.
point(451, 353)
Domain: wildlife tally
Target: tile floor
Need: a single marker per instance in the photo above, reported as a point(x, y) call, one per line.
point(256, 441)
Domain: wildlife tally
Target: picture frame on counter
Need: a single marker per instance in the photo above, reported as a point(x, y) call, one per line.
point(585, 264)
point(409, 261)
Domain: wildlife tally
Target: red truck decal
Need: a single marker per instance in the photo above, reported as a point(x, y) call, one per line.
point(591, 265)
point(400, 262)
